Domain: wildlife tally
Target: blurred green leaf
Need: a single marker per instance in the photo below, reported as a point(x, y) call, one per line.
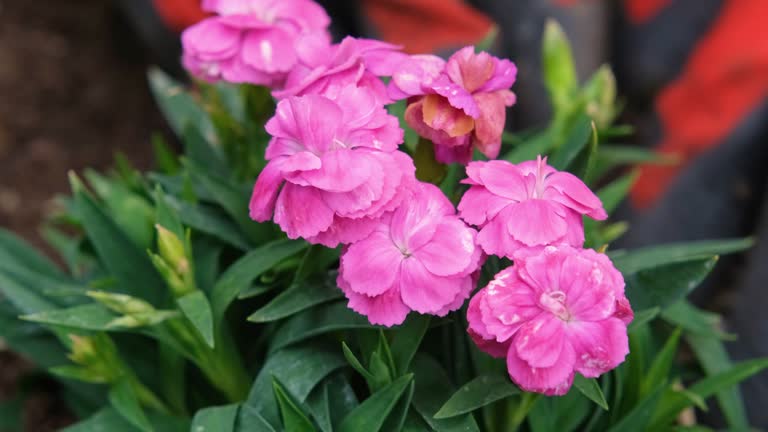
point(166, 216)
point(638, 418)
point(432, 385)
point(694, 320)
point(93, 316)
point(428, 169)
point(407, 339)
point(660, 369)
point(294, 419)
point(539, 144)
point(489, 40)
point(577, 141)
point(215, 419)
point(664, 285)
point(370, 415)
point(10, 414)
point(251, 265)
point(477, 393)
point(295, 299)
point(179, 107)
point(557, 64)
point(590, 388)
point(108, 420)
point(165, 158)
point(15, 252)
point(316, 321)
point(209, 220)
point(653, 256)
point(126, 403)
point(643, 317)
point(197, 309)
point(614, 192)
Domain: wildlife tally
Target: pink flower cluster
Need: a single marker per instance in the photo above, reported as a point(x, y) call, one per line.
point(335, 176)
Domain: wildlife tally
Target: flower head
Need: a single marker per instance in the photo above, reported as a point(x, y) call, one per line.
point(557, 311)
point(419, 258)
point(458, 104)
point(326, 69)
point(333, 167)
point(251, 41)
point(528, 204)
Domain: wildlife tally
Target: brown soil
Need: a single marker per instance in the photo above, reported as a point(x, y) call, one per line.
point(69, 100)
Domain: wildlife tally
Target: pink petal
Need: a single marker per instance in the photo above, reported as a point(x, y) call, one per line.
point(270, 50)
point(300, 161)
point(467, 283)
point(570, 191)
point(309, 120)
point(386, 309)
point(345, 231)
point(283, 147)
point(490, 124)
point(414, 74)
point(423, 291)
point(509, 303)
point(312, 48)
point(542, 269)
point(457, 96)
point(489, 346)
point(461, 154)
point(495, 239)
point(265, 191)
point(370, 266)
point(587, 298)
point(504, 75)
point(478, 205)
point(414, 223)
point(308, 14)
point(341, 171)
point(450, 250)
point(211, 40)
point(470, 70)
point(501, 178)
point(599, 346)
point(555, 380)
point(301, 212)
point(536, 222)
point(540, 341)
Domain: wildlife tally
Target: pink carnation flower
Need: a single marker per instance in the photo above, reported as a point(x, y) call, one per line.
point(251, 41)
point(419, 258)
point(459, 104)
point(333, 168)
point(326, 69)
point(557, 311)
point(528, 204)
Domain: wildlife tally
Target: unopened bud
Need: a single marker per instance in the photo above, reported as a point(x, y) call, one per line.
point(172, 250)
point(121, 303)
point(177, 285)
point(83, 349)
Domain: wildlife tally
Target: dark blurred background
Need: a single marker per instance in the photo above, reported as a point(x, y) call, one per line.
point(693, 75)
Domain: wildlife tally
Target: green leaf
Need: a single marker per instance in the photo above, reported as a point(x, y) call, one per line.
point(407, 339)
point(577, 141)
point(650, 257)
point(637, 419)
point(356, 364)
point(166, 216)
point(239, 275)
point(211, 221)
point(694, 320)
point(664, 285)
point(300, 368)
point(93, 316)
point(658, 374)
point(674, 402)
point(591, 389)
point(331, 401)
point(643, 317)
point(108, 420)
point(124, 400)
point(179, 107)
point(134, 273)
point(397, 417)
point(10, 414)
point(539, 144)
point(611, 156)
point(432, 384)
point(614, 192)
point(316, 321)
point(196, 308)
point(557, 64)
point(479, 392)
point(215, 419)
point(21, 292)
point(428, 169)
point(295, 299)
point(489, 40)
point(583, 164)
point(294, 419)
point(165, 158)
point(15, 252)
point(714, 359)
point(370, 415)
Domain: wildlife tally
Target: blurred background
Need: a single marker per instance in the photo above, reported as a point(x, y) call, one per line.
point(693, 75)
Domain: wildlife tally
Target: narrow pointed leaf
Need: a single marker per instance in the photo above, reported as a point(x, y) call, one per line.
point(371, 414)
point(315, 321)
point(197, 309)
point(653, 256)
point(295, 299)
point(407, 339)
point(124, 400)
point(590, 388)
point(294, 419)
point(476, 394)
point(216, 419)
point(432, 384)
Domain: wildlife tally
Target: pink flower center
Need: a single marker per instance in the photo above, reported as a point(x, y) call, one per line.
point(554, 302)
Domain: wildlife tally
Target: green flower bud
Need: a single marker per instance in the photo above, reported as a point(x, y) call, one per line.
point(121, 303)
point(172, 250)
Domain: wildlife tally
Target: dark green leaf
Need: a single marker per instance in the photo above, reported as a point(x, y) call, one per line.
point(15, 252)
point(21, 292)
point(165, 216)
point(666, 284)
point(211, 221)
point(240, 274)
point(432, 384)
point(577, 141)
point(92, 316)
point(637, 419)
point(591, 389)
point(407, 340)
point(216, 419)
point(356, 364)
point(658, 374)
point(196, 308)
point(653, 256)
point(315, 321)
point(396, 418)
point(370, 415)
point(477, 393)
point(165, 159)
point(331, 401)
point(614, 192)
point(643, 317)
point(124, 400)
point(295, 299)
point(294, 419)
point(428, 169)
point(108, 420)
point(179, 107)
point(134, 273)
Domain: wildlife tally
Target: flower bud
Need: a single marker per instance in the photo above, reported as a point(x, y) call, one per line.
point(172, 250)
point(121, 303)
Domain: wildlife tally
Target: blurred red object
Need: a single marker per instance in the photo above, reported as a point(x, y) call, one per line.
point(640, 11)
point(725, 79)
point(179, 14)
point(424, 26)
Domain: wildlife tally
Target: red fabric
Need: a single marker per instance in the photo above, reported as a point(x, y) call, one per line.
point(179, 14)
point(725, 79)
point(423, 26)
point(640, 11)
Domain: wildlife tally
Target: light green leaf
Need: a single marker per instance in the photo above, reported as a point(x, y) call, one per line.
point(196, 308)
point(477, 393)
point(295, 299)
point(653, 256)
point(370, 415)
point(93, 316)
point(239, 275)
point(539, 144)
point(316, 321)
point(215, 419)
point(591, 389)
point(124, 400)
point(614, 192)
point(294, 418)
point(695, 320)
point(557, 64)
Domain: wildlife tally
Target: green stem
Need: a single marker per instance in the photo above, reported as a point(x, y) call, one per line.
point(147, 397)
